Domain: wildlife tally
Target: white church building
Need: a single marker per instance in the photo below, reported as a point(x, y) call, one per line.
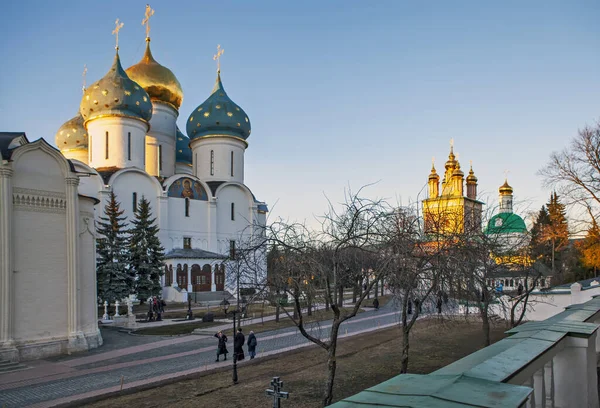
point(125, 140)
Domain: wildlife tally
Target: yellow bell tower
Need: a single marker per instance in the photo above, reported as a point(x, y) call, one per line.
point(449, 212)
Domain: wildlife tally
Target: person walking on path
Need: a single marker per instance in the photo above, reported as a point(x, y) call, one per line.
point(376, 304)
point(222, 346)
point(238, 343)
point(252, 345)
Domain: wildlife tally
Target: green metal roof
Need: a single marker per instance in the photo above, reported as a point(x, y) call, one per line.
point(480, 379)
point(413, 390)
point(506, 223)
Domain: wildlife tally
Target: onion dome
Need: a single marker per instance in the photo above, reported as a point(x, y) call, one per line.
point(72, 135)
point(183, 153)
point(457, 171)
point(471, 179)
point(218, 115)
point(433, 175)
point(506, 223)
point(116, 95)
point(159, 81)
point(505, 189)
point(451, 163)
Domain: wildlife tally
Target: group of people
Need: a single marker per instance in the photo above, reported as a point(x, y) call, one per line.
point(238, 343)
point(156, 307)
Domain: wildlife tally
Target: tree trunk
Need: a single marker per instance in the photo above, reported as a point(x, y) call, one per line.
point(277, 307)
point(331, 365)
point(341, 296)
point(382, 289)
point(376, 289)
point(354, 293)
point(327, 303)
point(405, 345)
point(296, 295)
point(309, 307)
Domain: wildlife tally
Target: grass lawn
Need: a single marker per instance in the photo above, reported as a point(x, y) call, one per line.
point(363, 361)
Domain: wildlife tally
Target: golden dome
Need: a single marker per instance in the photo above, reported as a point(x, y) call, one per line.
point(471, 179)
point(505, 189)
point(159, 81)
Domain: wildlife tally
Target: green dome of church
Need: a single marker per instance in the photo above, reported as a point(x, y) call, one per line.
point(183, 153)
point(72, 135)
point(218, 115)
point(506, 223)
point(116, 95)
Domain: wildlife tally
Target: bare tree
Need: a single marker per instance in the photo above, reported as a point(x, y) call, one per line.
point(575, 171)
point(319, 265)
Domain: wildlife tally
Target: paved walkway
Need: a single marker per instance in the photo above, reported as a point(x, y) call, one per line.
point(140, 360)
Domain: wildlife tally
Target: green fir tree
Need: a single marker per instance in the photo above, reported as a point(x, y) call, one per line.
point(111, 254)
point(146, 253)
point(539, 247)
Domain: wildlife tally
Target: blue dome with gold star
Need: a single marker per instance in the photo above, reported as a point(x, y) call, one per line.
point(72, 135)
point(116, 95)
point(183, 152)
point(218, 115)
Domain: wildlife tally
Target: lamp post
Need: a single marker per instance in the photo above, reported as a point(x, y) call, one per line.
point(225, 306)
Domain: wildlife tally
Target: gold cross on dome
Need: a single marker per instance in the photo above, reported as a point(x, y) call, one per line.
point(217, 57)
point(506, 175)
point(83, 76)
point(115, 32)
point(146, 21)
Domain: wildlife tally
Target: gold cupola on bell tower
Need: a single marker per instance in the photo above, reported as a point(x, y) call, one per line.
point(471, 184)
point(433, 182)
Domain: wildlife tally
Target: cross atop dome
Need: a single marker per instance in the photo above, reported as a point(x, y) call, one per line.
point(146, 21)
point(217, 57)
point(115, 32)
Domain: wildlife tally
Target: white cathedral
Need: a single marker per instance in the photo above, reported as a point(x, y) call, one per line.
point(125, 138)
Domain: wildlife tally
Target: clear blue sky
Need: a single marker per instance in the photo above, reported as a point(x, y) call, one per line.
point(339, 92)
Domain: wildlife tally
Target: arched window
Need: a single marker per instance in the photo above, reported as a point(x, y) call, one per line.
point(512, 282)
point(232, 211)
point(231, 163)
point(134, 202)
point(187, 207)
point(128, 145)
point(212, 162)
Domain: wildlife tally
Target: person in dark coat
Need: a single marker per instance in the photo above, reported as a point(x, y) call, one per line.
point(222, 346)
point(417, 306)
point(252, 345)
point(376, 304)
point(238, 344)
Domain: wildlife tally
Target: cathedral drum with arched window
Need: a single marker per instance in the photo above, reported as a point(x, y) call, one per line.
point(201, 278)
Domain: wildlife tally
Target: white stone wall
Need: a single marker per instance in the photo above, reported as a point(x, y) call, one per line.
point(81, 155)
point(86, 271)
point(183, 168)
point(50, 302)
point(221, 148)
point(163, 130)
point(545, 304)
point(118, 129)
point(129, 181)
